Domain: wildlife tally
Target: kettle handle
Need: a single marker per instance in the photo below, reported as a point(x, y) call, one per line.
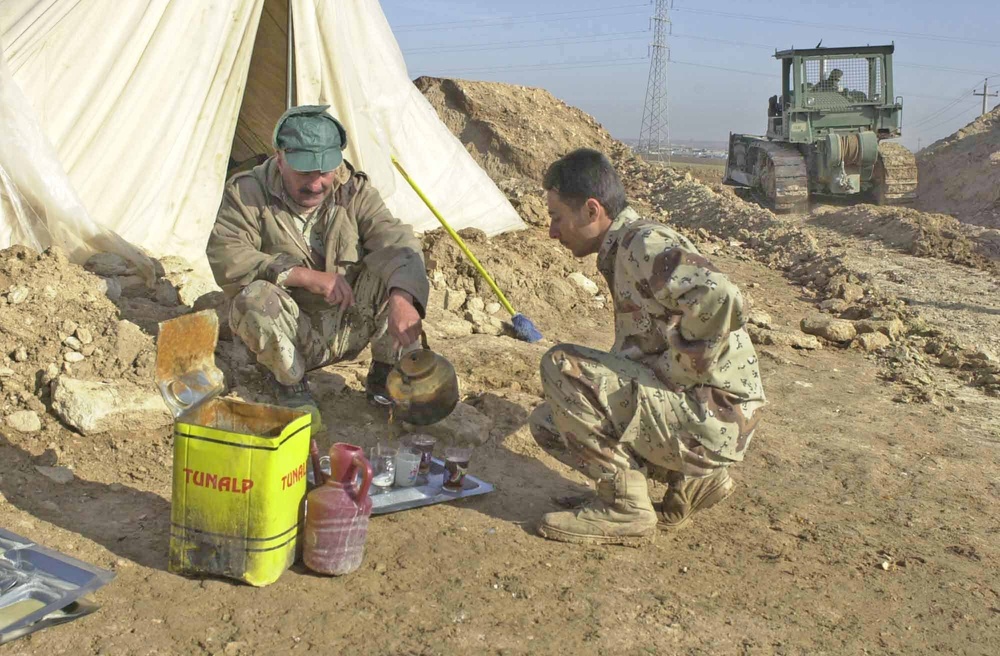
point(361, 462)
point(423, 341)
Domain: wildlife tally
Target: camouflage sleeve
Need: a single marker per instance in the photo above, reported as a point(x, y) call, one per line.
point(392, 250)
point(701, 306)
point(234, 246)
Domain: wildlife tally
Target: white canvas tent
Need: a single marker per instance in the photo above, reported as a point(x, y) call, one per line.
point(118, 119)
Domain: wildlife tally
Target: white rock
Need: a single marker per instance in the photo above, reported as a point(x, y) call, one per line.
point(583, 282)
point(131, 341)
point(6, 372)
point(73, 342)
point(778, 338)
point(17, 294)
point(73, 357)
point(871, 342)
point(448, 324)
point(61, 475)
point(50, 374)
point(893, 328)
point(92, 407)
point(25, 421)
point(760, 318)
point(476, 304)
point(454, 299)
point(84, 335)
point(187, 284)
point(21, 354)
point(834, 330)
point(493, 308)
point(483, 323)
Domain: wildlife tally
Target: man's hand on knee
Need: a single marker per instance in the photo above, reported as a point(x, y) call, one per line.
point(404, 319)
point(331, 286)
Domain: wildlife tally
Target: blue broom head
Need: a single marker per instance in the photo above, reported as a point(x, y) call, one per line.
point(524, 329)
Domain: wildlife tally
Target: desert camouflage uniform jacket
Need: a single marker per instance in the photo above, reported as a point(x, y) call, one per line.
point(258, 236)
point(675, 313)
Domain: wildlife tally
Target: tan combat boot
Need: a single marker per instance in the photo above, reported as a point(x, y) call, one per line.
point(621, 514)
point(687, 496)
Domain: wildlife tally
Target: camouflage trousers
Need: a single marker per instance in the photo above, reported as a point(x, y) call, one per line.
point(289, 341)
point(614, 413)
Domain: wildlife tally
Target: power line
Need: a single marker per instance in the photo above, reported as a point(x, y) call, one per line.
point(946, 69)
point(722, 68)
point(831, 26)
point(964, 95)
point(594, 63)
point(896, 62)
point(515, 20)
point(528, 43)
point(949, 119)
point(725, 41)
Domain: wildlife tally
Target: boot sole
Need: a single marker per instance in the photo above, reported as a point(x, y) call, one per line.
point(576, 538)
point(716, 496)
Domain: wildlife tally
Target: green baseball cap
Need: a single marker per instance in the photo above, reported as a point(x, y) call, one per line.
point(311, 139)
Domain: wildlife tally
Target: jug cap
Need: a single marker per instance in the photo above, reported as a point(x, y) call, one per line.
point(185, 361)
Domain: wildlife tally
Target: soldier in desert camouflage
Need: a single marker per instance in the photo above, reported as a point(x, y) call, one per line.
point(678, 397)
point(315, 264)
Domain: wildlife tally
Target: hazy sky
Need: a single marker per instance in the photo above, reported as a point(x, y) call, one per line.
point(594, 55)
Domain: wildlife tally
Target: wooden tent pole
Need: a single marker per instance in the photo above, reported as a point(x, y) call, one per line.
point(290, 68)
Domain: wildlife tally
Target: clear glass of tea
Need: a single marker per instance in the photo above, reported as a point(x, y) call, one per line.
point(425, 445)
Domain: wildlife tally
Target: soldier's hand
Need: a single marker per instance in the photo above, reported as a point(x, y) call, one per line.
point(404, 319)
point(338, 291)
point(330, 285)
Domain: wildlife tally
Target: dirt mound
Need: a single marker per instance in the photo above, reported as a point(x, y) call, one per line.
point(918, 233)
point(56, 319)
point(566, 298)
point(512, 131)
point(960, 175)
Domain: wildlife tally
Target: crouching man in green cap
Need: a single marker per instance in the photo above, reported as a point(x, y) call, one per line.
point(679, 395)
point(316, 266)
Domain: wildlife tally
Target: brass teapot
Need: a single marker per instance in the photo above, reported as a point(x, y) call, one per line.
point(423, 387)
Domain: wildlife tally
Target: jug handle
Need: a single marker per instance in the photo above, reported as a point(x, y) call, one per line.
point(361, 462)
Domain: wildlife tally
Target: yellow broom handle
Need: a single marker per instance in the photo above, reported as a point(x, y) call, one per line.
point(454, 235)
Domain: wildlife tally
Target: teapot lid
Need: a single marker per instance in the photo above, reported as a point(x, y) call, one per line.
point(418, 364)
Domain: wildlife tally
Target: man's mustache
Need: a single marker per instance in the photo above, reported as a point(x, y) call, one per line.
point(306, 191)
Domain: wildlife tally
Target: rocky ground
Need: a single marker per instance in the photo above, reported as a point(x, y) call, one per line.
point(866, 514)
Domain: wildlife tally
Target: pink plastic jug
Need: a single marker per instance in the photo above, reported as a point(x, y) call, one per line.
point(337, 514)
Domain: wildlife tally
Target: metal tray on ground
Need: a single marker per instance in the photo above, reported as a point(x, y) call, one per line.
point(426, 493)
point(40, 587)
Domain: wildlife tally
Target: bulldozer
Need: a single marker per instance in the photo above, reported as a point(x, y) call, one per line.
point(828, 133)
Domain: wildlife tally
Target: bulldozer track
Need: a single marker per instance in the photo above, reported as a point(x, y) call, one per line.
point(895, 175)
point(783, 179)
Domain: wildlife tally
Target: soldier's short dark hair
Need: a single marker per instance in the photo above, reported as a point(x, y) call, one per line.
point(586, 173)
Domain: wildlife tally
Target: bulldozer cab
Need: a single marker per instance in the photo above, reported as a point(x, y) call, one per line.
point(834, 90)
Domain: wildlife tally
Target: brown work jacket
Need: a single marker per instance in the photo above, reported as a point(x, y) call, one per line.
point(257, 237)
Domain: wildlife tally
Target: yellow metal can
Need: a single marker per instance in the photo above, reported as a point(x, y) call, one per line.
point(239, 476)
